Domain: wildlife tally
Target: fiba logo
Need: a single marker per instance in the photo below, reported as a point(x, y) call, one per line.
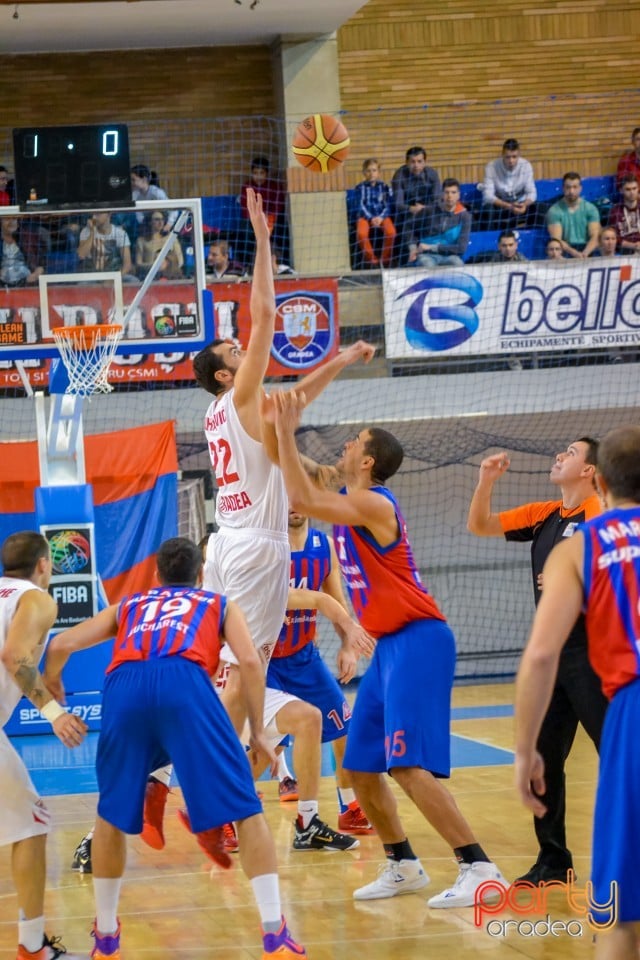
point(442, 320)
point(70, 551)
point(165, 324)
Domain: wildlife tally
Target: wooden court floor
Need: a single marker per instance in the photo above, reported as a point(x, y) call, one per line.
point(173, 907)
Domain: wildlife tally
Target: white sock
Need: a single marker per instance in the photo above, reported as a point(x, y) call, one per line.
point(106, 891)
point(307, 809)
point(266, 890)
point(346, 796)
point(283, 769)
point(31, 933)
point(163, 775)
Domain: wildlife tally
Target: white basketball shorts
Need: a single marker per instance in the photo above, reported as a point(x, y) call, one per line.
point(22, 812)
point(253, 571)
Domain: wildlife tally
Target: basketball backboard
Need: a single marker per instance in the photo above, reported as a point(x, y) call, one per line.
point(79, 278)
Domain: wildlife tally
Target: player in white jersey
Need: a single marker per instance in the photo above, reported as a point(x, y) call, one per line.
point(248, 559)
point(27, 613)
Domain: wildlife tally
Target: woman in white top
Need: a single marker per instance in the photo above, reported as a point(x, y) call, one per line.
point(144, 187)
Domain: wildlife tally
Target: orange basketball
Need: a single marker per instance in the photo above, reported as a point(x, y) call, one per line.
point(321, 143)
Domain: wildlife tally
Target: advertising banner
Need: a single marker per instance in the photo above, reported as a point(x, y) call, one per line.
point(307, 327)
point(27, 719)
point(505, 308)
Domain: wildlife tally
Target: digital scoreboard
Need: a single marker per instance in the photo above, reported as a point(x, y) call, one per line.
point(71, 167)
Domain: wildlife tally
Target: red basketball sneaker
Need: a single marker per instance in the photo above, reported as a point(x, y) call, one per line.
point(230, 842)
point(211, 842)
point(155, 800)
point(354, 820)
point(288, 790)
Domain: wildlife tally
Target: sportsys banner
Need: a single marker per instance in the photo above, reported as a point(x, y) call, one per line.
point(503, 308)
point(307, 328)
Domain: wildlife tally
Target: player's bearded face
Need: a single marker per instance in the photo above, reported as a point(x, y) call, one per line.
point(296, 519)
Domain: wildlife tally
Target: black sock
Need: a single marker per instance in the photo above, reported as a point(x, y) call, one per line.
point(399, 851)
point(471, 853)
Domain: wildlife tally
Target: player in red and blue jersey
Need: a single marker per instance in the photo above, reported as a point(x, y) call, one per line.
point(297, 667)
point(159, 707)
point(597, 571)
point(401, 716)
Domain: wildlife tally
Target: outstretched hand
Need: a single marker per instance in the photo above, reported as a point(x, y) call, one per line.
point(360, 350)
point(267, 409)
point(288, 410)
point(257, 214)
point(494, 466)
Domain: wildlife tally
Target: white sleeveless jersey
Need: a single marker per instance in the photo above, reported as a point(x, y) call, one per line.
point(11, 589)
point(251, 490)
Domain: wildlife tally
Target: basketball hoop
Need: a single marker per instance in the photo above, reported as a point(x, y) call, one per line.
point(87, 353)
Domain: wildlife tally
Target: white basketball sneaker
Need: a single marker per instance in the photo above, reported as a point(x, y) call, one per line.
point(470, 877)
point(395, 877)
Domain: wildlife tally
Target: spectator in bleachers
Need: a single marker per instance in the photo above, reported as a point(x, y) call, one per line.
point(6, 188)
point(608, 243)
point(103, 246)
point(270, 189)
point(507, 251)
point(144, 186)
point(374, 212)
point(439, 235)
point(630, 162)
point(573, 220)
point(273, 203)
point(625, 216)
point(150, 243)
point(19, 264)
point(508, 189)
point(415, 186)
point(218, 265)
point(554, 250)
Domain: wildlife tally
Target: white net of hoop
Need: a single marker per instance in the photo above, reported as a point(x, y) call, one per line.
point(87, 353)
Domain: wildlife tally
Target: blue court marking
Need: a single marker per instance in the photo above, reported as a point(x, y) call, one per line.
point(473, 753)
point(56, 770)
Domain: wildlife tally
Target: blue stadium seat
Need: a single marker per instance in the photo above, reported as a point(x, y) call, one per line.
point(549, 190)
point(531, 243)
point(222, 212)
point(482, 241)
point(470, 195)
point(62, 261)
point(597, 188)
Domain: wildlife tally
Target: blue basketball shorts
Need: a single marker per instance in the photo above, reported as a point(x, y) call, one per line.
point(163, 711)
point(305, 675)
point(616, 822)
point(401, 717)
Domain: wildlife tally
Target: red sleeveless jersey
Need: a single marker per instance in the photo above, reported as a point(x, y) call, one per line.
point(383, 582)
point(170, 622)
point(612, 596)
